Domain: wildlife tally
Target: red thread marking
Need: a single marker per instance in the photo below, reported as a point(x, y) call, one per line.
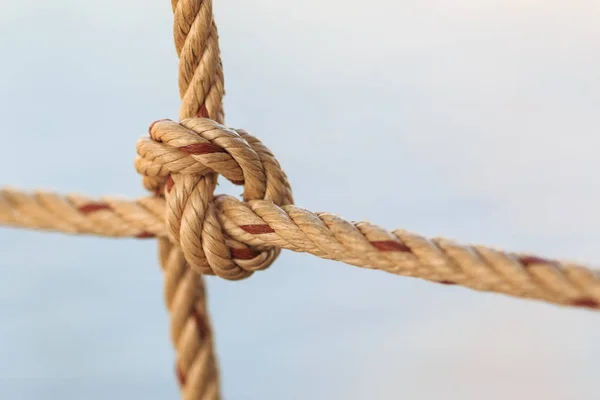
point(169, 184)
point(528, 261)
point(145, 235)
point(586, 302)
point(390, 245)
point(201, 148)
point(180, 375)
point(243, 254)
point(257, 229)
point(203, 113)
point(93, 207)
point(156, 122)
point(447, 282)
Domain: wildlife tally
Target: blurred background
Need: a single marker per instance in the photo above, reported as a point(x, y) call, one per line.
point(474, 120)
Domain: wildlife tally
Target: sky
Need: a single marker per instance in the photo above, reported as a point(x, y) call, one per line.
point(475, 121)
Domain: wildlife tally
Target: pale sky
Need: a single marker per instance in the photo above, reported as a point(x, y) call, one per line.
point(474, 120)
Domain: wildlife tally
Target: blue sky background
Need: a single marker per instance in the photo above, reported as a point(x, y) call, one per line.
point(472, 120)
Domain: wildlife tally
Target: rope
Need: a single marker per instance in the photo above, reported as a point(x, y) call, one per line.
point(201, 233)
point(201, 87)
point(232, 239)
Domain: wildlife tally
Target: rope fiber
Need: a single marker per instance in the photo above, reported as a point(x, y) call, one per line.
point(200, 233)
point(221, 235)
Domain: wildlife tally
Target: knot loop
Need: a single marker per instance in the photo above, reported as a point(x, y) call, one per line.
point(182, 161)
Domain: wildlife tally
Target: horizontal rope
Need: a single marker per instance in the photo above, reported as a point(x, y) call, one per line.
point(259, 225)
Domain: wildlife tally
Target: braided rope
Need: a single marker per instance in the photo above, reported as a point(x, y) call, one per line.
point(230, 238)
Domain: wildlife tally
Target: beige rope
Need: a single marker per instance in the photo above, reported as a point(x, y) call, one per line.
point(187, 154)
point(201, 83)
point(204, 234)
point(201, 88)
point(238, 238)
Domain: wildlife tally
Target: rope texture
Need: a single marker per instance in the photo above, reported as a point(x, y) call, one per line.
point(201, 87)
point(231, 238)
point(206, 234)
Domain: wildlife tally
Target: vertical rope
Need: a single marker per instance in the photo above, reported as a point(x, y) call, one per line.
point(201, 87)
point(201, 82)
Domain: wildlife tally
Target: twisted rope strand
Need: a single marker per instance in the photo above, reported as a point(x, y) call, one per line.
point(186, 153)
point(260, 225)
point(201, 83)
point(201, 87)
point(200, 233)
point(74, 214)
point(233, 239)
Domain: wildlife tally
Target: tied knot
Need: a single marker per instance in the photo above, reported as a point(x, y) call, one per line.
point(182, 161)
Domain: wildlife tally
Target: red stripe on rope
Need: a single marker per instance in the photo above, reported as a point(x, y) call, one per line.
point(145, 235)
point(447, 282)
point(390, 245)
point(203, 112)
point(243, 254)
point(257, 229)
point(93, 207)
point(169, 184)
point(529, 261)
point(201, 148)
point(586, 302)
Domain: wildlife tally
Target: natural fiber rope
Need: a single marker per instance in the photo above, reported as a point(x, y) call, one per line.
point(207, 234)
point(201, 88)
point(238, 238)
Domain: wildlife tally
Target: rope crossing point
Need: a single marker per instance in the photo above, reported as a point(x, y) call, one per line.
point(203, 234)
point(221, 235)
point(201, 88)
